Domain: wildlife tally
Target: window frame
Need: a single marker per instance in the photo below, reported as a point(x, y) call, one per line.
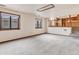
point(38, 23)
point(18, 24)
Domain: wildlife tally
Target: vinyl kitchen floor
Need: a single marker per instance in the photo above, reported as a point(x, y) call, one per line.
point(45, 44)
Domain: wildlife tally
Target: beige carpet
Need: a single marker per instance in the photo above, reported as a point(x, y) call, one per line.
point(45, 44)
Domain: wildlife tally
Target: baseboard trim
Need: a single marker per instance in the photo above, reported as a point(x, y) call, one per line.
point(21, 38)
point(61, 35)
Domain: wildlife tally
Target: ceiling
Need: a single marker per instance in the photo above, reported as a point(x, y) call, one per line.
point(31, 8)
point(26, 8)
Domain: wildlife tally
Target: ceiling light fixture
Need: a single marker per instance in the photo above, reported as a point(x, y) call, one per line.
point(49, 6)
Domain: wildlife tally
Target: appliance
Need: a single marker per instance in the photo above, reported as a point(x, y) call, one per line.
point(47, 7)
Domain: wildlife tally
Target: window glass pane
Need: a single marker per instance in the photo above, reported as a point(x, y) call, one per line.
point(14, 21)
point(36, 23)
point(5, 22)
point(40, 23)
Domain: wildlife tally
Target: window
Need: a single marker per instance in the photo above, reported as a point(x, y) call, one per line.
point(9, 21)
point(5, 21)
point(14, 22)
point(38, 23)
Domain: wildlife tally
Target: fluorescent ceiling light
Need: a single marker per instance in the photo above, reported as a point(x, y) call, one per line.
point(49, 6)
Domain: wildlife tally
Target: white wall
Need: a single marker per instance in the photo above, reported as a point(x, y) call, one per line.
point(27, 27)
point(60, 30)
